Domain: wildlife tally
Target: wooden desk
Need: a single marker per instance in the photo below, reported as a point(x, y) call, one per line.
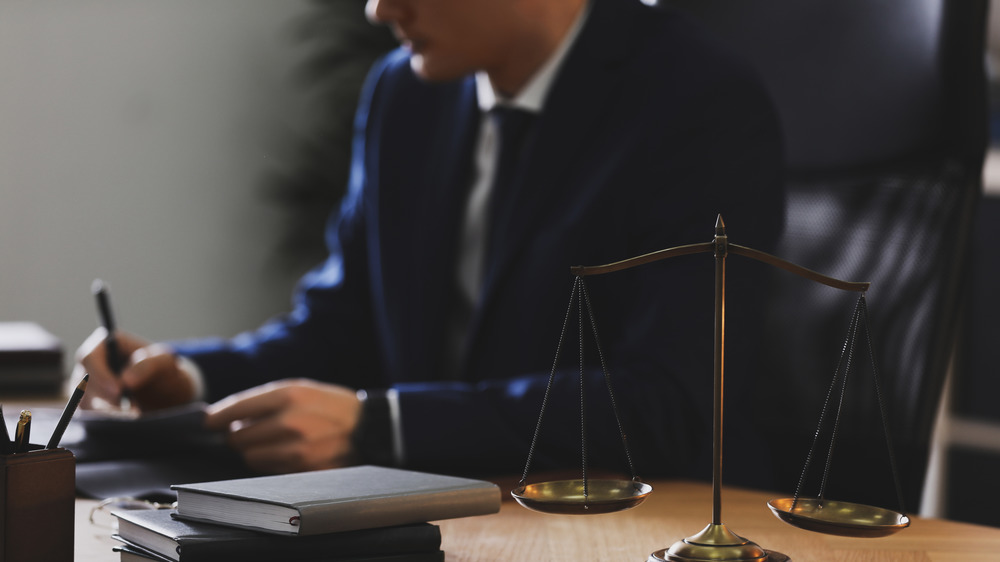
point(673, 511)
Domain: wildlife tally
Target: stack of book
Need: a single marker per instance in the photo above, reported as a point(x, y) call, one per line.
point(363, 513)
point(158, 534)
point(31, 358)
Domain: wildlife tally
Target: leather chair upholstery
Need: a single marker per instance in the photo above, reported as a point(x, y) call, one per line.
point(883, 106)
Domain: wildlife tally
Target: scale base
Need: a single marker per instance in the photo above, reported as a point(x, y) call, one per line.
point(716, 543)
point(662, 556)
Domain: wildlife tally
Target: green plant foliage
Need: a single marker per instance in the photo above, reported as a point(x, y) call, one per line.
point(342, 45)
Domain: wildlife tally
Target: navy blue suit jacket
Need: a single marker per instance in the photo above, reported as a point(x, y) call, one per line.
point(649, 132)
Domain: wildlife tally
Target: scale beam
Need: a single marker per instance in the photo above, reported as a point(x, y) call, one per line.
point(587, 270)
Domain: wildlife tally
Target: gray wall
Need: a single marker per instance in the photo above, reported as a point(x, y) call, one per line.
point(134, 136)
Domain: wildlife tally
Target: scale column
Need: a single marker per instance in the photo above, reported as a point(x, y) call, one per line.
point(716, 541)
point(721, 242)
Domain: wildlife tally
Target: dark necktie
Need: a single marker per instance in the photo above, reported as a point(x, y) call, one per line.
point(512, 125)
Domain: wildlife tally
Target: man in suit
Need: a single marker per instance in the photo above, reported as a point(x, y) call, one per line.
point(445, 290)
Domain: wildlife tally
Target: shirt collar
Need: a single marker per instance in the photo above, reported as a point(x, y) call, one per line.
point(532, 96)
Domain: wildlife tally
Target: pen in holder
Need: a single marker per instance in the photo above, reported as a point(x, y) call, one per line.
point(37, 505)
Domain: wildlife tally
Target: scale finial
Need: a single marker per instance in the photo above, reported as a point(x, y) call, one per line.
point(720, 227)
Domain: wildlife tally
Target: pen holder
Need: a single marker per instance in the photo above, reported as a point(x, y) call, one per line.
point(37, 505)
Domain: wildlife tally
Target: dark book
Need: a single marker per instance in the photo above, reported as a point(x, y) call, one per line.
point(31, 358)
point(132, 553)
point(156, 530)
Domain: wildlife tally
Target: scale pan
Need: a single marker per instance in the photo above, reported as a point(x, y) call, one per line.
point(839, 518)
point(567, 497)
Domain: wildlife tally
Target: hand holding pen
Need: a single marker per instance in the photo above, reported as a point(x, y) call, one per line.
point(127, 371)
point(112, 352)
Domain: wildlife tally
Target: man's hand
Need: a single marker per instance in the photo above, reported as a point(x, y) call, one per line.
point(151, 374)
point(290, 425)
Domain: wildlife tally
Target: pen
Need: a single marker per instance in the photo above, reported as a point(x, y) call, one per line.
point(112, 354)
point(22, 435)
point(67, 414)
point(7, 443)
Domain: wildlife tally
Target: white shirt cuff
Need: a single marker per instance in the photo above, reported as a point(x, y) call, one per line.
point(395, 418)
point(193, 373)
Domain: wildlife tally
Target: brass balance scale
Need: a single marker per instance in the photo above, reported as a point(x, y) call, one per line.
point(716, 542)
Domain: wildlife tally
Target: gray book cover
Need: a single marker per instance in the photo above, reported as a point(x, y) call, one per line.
point(340, 499)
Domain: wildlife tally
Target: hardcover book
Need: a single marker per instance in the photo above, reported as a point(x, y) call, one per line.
point(132, 553)
point(335, 500)
point(158, 531)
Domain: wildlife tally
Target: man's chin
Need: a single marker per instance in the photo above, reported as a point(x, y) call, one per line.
point(426, 70)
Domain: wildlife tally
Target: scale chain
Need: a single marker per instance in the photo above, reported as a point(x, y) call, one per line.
point(851, 331)
point(859, 317)
point(548, 386)
point(581, 296)
point(852, 338)
point(882, 409)
point(607, 379)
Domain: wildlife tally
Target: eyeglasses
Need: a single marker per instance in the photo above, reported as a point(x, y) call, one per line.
point(101, 516)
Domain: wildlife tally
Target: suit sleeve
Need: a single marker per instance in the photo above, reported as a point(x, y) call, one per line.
point(328, 335)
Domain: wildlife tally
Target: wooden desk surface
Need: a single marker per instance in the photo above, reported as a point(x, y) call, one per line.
point(673, 511)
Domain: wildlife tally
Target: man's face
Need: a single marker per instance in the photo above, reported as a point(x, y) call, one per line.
point(449, 38)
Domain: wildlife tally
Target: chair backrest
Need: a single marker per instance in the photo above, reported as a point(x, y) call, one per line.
point(883, 105)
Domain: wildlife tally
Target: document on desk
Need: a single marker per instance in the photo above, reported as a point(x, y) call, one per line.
point(116, 434)
point(172, 421)
point(141, 455)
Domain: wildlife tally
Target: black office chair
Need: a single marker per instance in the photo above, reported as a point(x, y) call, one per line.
point(883, 105)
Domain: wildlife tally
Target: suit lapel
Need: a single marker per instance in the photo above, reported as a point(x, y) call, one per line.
point(450, 156)
point(431, 222)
